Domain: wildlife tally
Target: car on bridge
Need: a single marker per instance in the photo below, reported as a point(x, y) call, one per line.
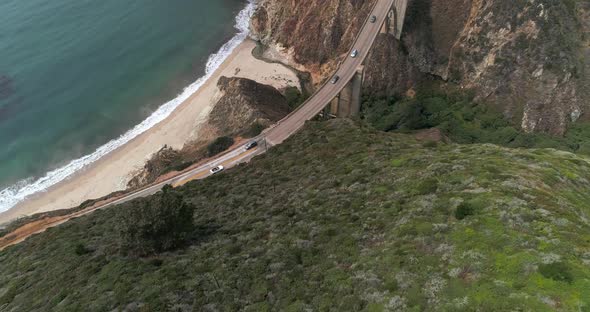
point(335, 79)
point(354, 53)
point(217, 169)
point(373, 19)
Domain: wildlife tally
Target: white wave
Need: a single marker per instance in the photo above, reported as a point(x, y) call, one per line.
point(14, 194)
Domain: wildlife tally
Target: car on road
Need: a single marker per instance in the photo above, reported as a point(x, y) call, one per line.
point(354, 53)
point(373, 19)
point(217, 169)
point(251, 145)
point(335, 79)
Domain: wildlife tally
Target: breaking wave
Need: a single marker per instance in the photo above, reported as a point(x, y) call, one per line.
point(16, 193)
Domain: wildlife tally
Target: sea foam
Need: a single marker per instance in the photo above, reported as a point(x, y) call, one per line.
point(16, 193)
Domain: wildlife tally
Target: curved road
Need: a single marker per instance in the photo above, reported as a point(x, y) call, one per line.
point(295, 120)
point(272, 136)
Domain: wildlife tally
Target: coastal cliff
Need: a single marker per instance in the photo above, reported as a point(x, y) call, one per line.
point(528, 59)
point(310, 35)
point(244, 102)
point(240, 105)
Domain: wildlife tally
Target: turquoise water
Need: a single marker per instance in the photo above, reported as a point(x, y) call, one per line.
point(76, 74)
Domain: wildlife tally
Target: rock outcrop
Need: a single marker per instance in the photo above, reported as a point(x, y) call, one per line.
point(240, 103)
point(161, 161)
point(310, 35)
point(530, 59)
point(244, 102)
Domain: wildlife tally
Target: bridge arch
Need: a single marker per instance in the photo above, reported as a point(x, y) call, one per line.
point(394, 21)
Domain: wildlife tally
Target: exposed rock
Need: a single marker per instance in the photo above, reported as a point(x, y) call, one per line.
point(310, 34)
point(523, 56)
point(157, 164)
point(530, 59)
point(389, 70)
point(240, 103)
point(431, 135)
point(243, 102)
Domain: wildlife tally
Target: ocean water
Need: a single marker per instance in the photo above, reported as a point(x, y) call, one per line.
point(78, 78)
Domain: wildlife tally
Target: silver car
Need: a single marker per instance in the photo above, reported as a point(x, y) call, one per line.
point(354, 53)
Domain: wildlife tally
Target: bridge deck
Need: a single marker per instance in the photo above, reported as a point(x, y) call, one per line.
point(312, 107)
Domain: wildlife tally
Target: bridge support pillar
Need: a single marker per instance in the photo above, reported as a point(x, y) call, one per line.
point(348, 102)
point(334, 106)
point(357, 87)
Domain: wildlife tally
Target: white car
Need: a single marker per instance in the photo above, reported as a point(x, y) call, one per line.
point(354, 53)
point(217, 169)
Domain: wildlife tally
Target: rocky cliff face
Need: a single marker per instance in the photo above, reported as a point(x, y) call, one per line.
point(240, 104)
point(310, 34)
point(243, 102)
point(527, 58)
point(524, 56)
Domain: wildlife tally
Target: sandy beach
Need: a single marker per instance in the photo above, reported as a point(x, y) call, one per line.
point(112, 172)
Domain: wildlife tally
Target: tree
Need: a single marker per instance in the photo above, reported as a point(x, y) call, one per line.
point(156, 224)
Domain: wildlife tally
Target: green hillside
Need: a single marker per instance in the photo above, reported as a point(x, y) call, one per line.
point(339, 218)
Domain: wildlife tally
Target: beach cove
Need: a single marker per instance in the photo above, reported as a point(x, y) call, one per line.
point(112, 171)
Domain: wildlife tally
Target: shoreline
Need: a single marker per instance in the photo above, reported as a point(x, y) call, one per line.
point(16, 193)
point(111, 172)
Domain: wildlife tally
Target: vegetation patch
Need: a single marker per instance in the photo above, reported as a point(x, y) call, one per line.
point(220, 145)
point(152, 226)
point(294, 97)
point(557, 271)
point(326, 222)
point(464, 121)
point(464, 210)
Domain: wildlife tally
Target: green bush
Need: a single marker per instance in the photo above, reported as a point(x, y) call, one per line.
point(464, 210)
point(398, 162)
point(80, 249)
point(155, 225)
point(427, 186)
point(294, 97)
point(219, 145)
point(557, 271)
point(464, 122)
point(430, 144)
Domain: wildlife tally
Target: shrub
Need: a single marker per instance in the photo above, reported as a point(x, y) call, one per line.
point(430, 144)
point(155, 224)
point(464, 121)
point(80, 249)
point(399, 162)
point(557, 271)
point(427, 186)
point(219, 145)
point(255, 129)
point(294, 97)
point(464, 210)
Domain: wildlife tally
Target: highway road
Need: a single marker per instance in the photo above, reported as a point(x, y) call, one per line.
point(347, 69)
point(295, 120)
point(272, 136)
